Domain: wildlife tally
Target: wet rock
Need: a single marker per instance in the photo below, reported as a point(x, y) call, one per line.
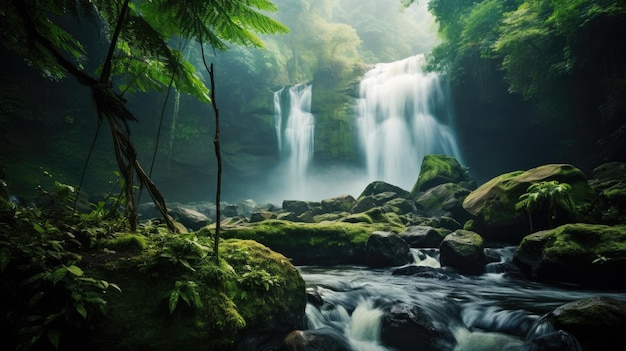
point(342, 203)
point(324, 339)
point(589, 254)
point(379, 187)
point(493, 203)
point(598, 323)
point(440, 169)
point(556, 341)
point(384, 249)
point(463, 251)
point(443, 273)
point(444, 200)
point(423, 236)
point(405, 327)
point(299, 207)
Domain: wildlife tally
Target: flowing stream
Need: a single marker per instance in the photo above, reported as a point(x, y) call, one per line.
point(486, 312)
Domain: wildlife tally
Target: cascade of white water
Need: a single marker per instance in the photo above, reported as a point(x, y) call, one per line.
point(402, 115)
point(296, 138)
point(278, 118)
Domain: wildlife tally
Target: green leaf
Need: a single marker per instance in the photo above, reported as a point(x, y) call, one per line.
point(186, 264)
point(80, 308)
point(58, 275)
point(115, 286)
point(174, 300)
point(75, 270)
point(5, 258)
point(54, 336)
point(33, 278)
point(38, 228)
point(35, 298)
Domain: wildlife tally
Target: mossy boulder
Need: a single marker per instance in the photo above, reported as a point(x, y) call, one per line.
point(175, 296)
point(341, 203)
point(439, 169)
point(313, 243)
point(444, 200)
point(609, 181)
point(598, 323)
point(378, 187)
point(588, 254)
point(493, 203)
point(463, 251)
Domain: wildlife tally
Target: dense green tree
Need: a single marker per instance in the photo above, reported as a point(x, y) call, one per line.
point(140, 54)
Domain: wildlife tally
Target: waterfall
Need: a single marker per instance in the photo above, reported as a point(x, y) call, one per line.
point(278, 118)
point(403, 113)
point(295, 135)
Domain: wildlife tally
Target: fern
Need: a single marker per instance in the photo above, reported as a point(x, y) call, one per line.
point(550, 196)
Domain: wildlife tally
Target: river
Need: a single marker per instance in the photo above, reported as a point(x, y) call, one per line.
point(486, 312)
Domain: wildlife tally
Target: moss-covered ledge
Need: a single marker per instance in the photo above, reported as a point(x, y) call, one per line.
point(312, 243)
point(175, 296)
point(590, 254)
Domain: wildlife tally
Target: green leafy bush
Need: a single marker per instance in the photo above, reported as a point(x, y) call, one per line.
point(550, 197)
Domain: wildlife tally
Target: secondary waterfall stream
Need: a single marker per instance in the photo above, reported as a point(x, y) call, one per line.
point(486, 312)
point(296, 136)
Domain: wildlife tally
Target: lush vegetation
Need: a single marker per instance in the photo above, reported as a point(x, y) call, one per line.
point(70, 279)
point(550, 197)
point(563, 58)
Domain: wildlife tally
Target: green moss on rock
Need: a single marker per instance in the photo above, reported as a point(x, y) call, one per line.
point(493, 203)
point(310, 243)
point(580, 253)
point(127, 242)
point(251, 288)
point(439, 169)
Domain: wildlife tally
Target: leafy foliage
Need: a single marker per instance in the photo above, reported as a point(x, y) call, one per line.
point(549, 197)
point(186, 290)
point(46, 293)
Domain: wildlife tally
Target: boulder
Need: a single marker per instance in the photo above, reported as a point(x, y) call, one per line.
point(444, 200)
point(262, 216)
point(588, 254)
point(598, 323)
point(493, 203)
point(329, 243)
point(404, 326)
point(246, 208)
point(378, 187)
point(228, 211)
point(384, 249)
point(401, 205)
point(234, 300)
point(439, 273)
point(191, 219)
point(463, 251)
point(610, 183)
point(299, 207)
point(558, 340)
point(324, 339)
point(443, 222)
point(440, 169)
point(342, 203)
point(363, 204)
point(423, 236)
